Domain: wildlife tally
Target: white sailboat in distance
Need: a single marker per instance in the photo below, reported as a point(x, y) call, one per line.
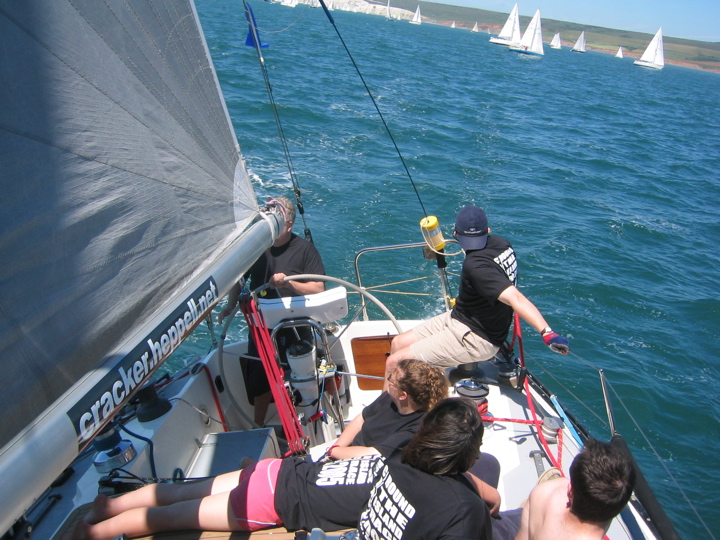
point(417, 18)
point(475, 28)
point(556, 43)
point(510, 33)
point(620, 54)
point(653, 57)
point(580, 43)
point(531, 42)
point(453, 25)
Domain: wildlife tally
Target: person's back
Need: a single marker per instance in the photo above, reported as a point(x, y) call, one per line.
point(421, 493)
point(550, 516)
point(601, 482)
point(410, 504)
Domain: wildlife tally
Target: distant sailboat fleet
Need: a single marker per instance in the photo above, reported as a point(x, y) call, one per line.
point(531, 41)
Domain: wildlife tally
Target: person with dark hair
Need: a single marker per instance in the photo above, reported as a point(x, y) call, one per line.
point(478, 324)
point(395, 416)
point(289, 255)
point(419, 493)
point(602, 479)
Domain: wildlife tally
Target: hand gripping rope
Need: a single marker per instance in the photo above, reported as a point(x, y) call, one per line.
point(297, 442)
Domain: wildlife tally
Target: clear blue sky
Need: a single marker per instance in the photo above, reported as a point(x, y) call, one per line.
point(690, 19)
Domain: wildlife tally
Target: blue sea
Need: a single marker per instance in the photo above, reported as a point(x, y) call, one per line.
point(603, 175)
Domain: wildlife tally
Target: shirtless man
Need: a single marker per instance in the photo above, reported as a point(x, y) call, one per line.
point(601, 482)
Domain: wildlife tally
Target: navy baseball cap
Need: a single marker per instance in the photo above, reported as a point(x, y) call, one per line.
point(471, 227)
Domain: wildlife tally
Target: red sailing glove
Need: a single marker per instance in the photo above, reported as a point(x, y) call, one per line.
point(555, 341)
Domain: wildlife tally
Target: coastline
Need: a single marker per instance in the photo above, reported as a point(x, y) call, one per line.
point(363, 6)
point(713, 67)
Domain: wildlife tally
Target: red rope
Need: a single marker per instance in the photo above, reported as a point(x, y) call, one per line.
point(538, 428)
point(517, 336)
point(286, 411)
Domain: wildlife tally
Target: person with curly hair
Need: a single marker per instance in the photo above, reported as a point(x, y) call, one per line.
point(414, 387)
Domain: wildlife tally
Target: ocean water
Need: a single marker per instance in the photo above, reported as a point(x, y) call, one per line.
point(603, 175)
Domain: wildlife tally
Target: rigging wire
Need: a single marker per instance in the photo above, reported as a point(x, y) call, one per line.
point(283, 141)
point(377, 108)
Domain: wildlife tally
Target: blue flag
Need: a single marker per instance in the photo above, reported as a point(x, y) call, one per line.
point(250, 41)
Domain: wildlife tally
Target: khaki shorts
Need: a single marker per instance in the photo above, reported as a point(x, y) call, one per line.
point(446, 342)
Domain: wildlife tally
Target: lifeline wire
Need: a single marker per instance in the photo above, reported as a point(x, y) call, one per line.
point(273, 106)
point(377, 108)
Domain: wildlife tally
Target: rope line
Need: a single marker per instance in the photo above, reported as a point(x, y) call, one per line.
point(377, 108)
point(297, 442)
point(276, 116)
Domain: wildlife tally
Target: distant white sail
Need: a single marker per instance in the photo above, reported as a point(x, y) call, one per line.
point(452, 25)
point(531, 42)
point(510, 33)
point(417, 19)
point(556, 43)
point(475, 28)
point(620, 53)
point(580, 43)
point(387, 10)
point(653, 57)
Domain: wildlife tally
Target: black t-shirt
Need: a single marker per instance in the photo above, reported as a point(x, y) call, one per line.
point(298, 256)
point(408, 504)
point(329, 496)
point(384, 428)
point(486, 273)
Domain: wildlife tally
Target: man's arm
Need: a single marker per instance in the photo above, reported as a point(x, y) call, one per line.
point(487, 493)
point(524, 531)
point(298, 288)
point(531, 315)
point(523, 307)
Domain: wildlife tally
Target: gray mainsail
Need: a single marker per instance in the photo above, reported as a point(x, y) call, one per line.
point(127, 213)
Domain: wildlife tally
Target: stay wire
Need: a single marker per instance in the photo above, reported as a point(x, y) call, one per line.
point(278, 123)
point(377, 108)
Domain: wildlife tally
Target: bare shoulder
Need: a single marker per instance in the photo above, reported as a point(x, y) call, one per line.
point(550, 489)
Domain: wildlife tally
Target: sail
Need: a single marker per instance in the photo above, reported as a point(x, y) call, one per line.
point(531, 42)
point(475, 28)
point(387, 10)
point(452, 25)
point(654, 56)
point(417, 18)
point(127, 214)
point(510, 32)
point(556, 43)
point(580, 43)
point(619, 53)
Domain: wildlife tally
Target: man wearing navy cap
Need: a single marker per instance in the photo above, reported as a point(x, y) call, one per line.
point(479, 323)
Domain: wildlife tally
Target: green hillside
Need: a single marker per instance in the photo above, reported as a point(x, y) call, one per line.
point(700, 54)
